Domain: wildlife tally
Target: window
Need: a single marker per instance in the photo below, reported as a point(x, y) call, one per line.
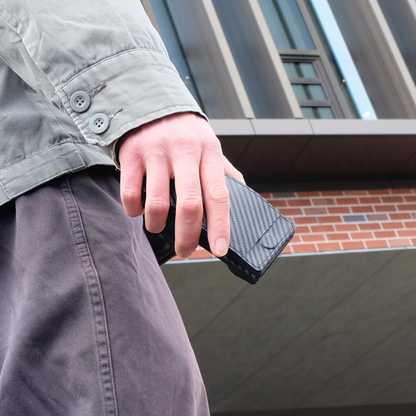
point(308, 88)
point(307, 66)
point(286, 24)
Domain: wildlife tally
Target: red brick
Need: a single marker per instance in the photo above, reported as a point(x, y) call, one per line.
point(392, 225)
point(338, 236)
point(376, 243)
point(315, 211)
point(346, 227)
point(329, 246)
point(407, 207)
point(322, 228)
point(309, 238)
point(359, 209)
point(353, 245)
point(266, 195)
point(287, 250)
point(323, 201)
point(296, 239)
point(291, 211)
point(370, 200)
point(379, 192)
point(305, 220)
point(410, 224)
point(307, 194)
point(372, 226)
point(332, 193)
point(278, 203)
point(303, 248)
point(401, 191)
point(361, 236)
point(377, 217)
point(406, 233)
point(392, 199)
point(355, 193)
point(413, 240)
point(302, 229)
point(385, 234)
point(339, 210)
point(280, 195)
point(326, 220)
point(410, 198)
point(299, 202)
point(347, 201)
point(385, 208)
point(399, 242)
point(401, 216)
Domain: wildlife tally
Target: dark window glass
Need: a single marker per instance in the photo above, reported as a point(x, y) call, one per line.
point(286, 24)
point(309, 92)
point(300, 70)
point(317, 112)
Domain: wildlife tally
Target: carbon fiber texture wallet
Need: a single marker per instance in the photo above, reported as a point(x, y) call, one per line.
point(259, 232)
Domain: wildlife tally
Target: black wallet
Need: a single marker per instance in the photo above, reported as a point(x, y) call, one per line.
point(259, 232)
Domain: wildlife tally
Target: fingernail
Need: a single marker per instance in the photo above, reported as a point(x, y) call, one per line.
point(221, 247)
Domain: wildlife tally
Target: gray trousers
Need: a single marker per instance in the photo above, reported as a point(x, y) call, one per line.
point(88, 326)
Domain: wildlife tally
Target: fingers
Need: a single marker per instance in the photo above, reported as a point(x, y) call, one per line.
point(216, 200)
point(189, 208)
point(157, 197)
point(184, 147)
point(131, 179)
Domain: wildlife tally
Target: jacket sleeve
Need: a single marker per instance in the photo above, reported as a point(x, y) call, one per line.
point(101, 61)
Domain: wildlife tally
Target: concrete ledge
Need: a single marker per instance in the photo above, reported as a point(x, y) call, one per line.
point(237, 127)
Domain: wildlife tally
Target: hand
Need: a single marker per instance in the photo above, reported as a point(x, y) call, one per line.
point(184, 147)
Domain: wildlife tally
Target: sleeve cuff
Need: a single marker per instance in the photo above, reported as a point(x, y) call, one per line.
point(123, 92)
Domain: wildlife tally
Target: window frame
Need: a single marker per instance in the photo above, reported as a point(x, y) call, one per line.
point(336, 100)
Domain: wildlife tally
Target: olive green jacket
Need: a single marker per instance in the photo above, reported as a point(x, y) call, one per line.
point(74, 77)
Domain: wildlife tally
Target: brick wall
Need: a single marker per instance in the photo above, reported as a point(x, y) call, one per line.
point(346, 220)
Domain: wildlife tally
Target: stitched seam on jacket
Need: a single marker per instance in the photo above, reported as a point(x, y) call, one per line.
point(35, 154)
point(96, 297)
point(107, 58)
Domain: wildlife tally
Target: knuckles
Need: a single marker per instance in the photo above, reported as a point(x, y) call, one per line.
point(157, 207)
point(217, 195)
point(190, 206)
point(132, 202)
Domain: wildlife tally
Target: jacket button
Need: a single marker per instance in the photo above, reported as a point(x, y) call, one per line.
point(80, 101)
point(99, 123)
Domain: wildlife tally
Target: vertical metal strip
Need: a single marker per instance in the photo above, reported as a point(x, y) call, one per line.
point(391, 42)
point(275, 57)
point(412, 5)
point(229, 60)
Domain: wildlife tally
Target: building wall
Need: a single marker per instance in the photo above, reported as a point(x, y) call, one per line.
point(331, 221)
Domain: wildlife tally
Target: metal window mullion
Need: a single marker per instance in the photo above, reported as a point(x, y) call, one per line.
point(313, 103)
point(308, 81)
point(287, 53)
point(275, 57)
